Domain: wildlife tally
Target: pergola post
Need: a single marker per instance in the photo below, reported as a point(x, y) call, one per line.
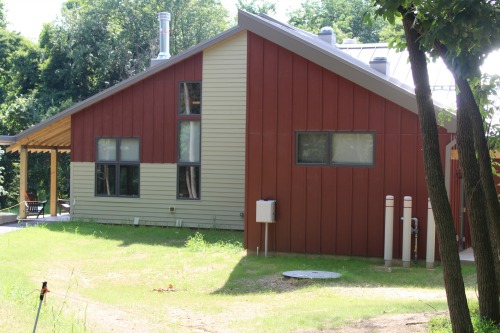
point(23, 180)
point(53, 182)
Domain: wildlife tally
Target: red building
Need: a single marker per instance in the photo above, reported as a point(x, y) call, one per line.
point(262, 111)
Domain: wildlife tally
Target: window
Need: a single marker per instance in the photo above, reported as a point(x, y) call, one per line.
point(188, 159)
point(335, 148)
point(312, 148)
point(117, 167)
point(190, 98)
point(189, 141)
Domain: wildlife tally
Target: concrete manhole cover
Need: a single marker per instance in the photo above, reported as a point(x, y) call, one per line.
point(312, 275)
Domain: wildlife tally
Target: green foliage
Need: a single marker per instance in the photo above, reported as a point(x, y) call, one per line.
point(347, 18)
point(257, 6)
point(3, 21)
point(443, 324)
point(197, 243)
point(2, 192)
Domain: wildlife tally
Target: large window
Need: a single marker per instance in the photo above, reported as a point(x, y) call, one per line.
point(189, 141)
point(335, 148)
point(117, 167)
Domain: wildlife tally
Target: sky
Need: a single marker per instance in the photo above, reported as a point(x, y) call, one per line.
point(28, 16)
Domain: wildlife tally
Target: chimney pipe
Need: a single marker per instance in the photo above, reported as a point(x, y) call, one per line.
point(164, 19)
point(327, 35)
point(381, 65)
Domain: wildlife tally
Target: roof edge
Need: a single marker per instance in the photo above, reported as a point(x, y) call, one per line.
point(7, 140)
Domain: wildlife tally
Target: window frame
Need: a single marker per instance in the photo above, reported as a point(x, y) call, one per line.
point(187, 164)
point(117, 163)
point(179, 114)
point(183, 117)
point(330, 135)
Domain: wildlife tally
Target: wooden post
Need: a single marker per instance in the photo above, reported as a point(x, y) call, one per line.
point(23, 180)
point(53, 182)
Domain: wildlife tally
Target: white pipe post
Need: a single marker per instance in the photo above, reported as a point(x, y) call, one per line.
point(431, 237)
point(407, 231)
point(265, 241)
point(389, 229)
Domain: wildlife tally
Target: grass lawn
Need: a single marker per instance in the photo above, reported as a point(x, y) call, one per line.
point(102, 279)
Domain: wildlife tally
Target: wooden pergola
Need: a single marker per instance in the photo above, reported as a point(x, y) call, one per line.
point(54, 137)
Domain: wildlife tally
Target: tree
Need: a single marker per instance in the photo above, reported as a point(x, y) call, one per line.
point(453, 280)
point(459, 32)
point(99, 43)
point(462, 34)
point(462, 38)
point(3, 21)
point(346, 17)
point(257, 6)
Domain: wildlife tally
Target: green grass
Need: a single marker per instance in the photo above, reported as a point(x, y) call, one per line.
point(103, 276)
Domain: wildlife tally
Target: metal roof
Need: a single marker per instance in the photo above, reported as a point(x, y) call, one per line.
point(441, 80)
point(296, 40)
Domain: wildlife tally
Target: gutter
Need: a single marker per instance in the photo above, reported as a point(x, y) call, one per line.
point(7, 140)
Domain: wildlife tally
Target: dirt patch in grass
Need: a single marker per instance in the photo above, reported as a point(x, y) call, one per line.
point(106, 318)
point(408, 323)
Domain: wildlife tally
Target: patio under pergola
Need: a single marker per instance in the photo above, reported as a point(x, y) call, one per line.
point(52, 136)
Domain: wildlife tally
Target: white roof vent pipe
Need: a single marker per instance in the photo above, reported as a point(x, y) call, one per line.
point(349, 41)
point(381, 65)
point(327, 35)
point(164, 19)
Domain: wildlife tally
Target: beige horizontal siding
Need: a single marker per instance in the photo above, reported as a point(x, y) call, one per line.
point(223, 123)
point(158, 194)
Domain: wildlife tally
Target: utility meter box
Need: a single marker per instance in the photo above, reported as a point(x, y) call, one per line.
point(265, 211)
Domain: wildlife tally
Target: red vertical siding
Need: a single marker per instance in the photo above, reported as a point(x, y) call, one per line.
point(146, 110)
point(376, 191)
point(284, 150)
point(313, 177)
point(88, 127)
point(361, 106)
point(299, 122)
point(331, 210)
point(269, 128)
point(329, 175)
point(169, 125)
point(128, 113)
point(254, 164)
point(118, 114)
point(158, 108)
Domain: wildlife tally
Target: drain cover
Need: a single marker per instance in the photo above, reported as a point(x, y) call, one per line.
point(312, 275)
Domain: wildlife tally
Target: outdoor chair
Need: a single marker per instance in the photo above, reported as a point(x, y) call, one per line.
point(34, 206)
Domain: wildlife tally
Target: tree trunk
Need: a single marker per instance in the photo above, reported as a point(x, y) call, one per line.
point(453, 280)
point(483, 255)
point(481, 147)
point(483, 154)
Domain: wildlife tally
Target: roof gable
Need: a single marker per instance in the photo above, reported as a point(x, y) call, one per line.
point(312, 48)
